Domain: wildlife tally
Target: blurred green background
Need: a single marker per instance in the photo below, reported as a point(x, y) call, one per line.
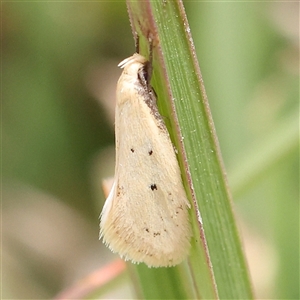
point(59, 71)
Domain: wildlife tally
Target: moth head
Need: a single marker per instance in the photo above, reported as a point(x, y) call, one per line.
point(133, 64)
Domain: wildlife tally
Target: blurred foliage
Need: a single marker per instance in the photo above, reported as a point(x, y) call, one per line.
point(53, 127)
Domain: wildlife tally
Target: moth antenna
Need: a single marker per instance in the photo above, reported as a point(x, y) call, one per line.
point(137, 43)
point(149, 64)
point(150, 49)
point(149, 67)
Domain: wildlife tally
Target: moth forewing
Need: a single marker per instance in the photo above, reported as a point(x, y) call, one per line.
point(145, 217)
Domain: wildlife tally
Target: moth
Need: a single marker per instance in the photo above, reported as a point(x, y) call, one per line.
point(145, 217)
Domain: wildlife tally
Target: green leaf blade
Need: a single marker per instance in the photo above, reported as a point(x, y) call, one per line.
point(217, 264)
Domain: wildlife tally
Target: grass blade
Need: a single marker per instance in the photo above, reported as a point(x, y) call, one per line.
point(218, 269)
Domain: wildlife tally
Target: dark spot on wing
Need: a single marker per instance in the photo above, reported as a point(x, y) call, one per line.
point(153, 187)
point(120, 190)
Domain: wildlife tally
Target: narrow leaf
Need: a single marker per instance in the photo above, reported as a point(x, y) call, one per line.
point(216, 266)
